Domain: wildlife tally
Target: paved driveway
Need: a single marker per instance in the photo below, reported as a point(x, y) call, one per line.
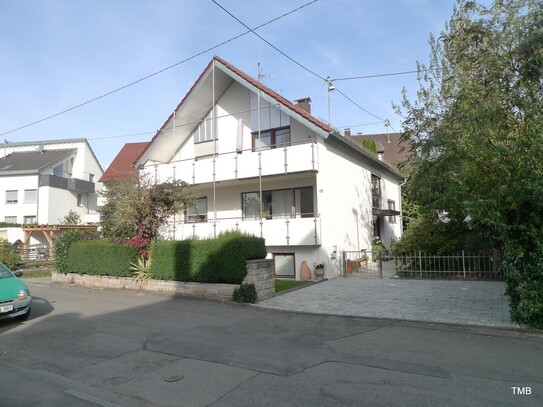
point(480, 303)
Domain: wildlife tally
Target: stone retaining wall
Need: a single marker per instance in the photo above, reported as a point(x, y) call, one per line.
point(259, 272)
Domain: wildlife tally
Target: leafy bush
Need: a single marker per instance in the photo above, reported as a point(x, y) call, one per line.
point(8, 255)
point(220, 260)
point(62, 246)
point(246, 293)
point(524, 277)
point(101, 257)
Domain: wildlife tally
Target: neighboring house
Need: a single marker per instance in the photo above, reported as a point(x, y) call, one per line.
point(281, 174)
point(390, 147)
point(40, 182)
point(121, 168)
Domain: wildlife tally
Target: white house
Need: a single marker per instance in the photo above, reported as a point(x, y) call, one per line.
point(40, 182)
point(263, 165)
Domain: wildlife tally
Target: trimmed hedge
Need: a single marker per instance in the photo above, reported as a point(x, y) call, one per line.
point(101, 257)
point(221, 260)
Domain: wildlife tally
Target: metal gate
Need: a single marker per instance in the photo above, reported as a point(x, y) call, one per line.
point(367, 264)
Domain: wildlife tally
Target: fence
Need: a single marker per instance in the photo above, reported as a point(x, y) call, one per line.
point(464, 265)
point(367, 263)
point(37, 252)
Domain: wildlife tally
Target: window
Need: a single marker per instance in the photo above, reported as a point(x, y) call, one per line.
point(91, 177)
point(392, 205)
point(197, 212)
point(10, 219)
point(278, 204)
point(284, 264)
point(271, 138)
point(204, 130)
point(29, 220)
point(79, 200)
point(31, 196)
point(376, 191)
point(271, 116)
point(58, 170)
point(12, 197)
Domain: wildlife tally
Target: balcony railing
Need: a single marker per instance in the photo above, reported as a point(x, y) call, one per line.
point(234, 165)
point(303, 231)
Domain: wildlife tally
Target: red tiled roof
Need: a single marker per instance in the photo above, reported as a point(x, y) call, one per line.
point(256, 84)
point(121, 166)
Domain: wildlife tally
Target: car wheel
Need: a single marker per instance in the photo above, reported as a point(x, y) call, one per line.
point(25, 316)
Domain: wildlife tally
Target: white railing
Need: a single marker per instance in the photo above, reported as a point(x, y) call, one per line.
point(296, 157)
point(277, 232)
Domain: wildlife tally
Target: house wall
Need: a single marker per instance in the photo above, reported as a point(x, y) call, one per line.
point(20, 209)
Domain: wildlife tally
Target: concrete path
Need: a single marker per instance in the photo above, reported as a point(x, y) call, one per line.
point(477, 303)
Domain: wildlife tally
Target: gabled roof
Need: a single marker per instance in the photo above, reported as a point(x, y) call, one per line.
point(121, 168)
point(214, 81)
point(208, 89)
point(32, 161)
point(395, 151)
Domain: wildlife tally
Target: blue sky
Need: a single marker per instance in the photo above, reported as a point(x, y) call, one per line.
point(56, 54)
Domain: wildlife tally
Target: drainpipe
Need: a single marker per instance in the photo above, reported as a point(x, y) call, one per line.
point(401, 203)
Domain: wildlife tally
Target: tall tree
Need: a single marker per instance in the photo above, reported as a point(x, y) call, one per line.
point(477, 130)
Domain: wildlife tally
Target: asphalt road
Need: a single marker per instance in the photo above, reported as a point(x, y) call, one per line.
point(88, 347)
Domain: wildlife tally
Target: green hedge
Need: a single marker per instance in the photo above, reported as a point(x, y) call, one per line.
point(101, 257)
point(220, 260)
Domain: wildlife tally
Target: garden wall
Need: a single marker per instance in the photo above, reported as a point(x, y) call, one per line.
point(259, 272)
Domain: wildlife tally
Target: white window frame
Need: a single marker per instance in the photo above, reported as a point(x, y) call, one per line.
point(12, 200)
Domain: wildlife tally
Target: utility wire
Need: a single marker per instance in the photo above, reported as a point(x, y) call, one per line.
point(373, 76)
point(357, 105)
point(249, 30)
point(269, 43)
point(328, 80)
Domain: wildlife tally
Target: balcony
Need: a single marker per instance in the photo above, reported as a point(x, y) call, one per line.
point(277, 232)
point(71, 184)
point(297, 157)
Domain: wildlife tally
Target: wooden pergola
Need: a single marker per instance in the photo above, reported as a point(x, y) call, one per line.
point(51, 232)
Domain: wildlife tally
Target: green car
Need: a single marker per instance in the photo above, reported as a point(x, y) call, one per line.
point(15, 299)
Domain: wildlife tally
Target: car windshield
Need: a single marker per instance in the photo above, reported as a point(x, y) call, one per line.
point(4, 272)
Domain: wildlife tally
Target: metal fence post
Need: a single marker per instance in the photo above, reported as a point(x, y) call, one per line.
point(464, 264)
point(380, 264)
point(344, 268)
point(420, 263)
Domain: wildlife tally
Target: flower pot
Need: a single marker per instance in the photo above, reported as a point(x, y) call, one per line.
point(319, 273)
point(305, 272)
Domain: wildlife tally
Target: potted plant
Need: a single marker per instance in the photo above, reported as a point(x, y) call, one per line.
point(319, 269)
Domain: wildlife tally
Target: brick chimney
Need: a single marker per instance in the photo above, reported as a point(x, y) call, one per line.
point(304, 103)
point(347, 132)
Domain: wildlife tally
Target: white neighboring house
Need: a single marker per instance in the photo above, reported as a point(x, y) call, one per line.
point(281, 174)
point(40, 182)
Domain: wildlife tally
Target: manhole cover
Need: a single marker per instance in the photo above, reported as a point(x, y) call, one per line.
point(171, 379)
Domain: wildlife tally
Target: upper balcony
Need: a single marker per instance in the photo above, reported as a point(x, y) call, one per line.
point(71, 184)
point(238, 165)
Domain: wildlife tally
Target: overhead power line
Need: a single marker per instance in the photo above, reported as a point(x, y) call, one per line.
point(357, 105)
point(373, 76)
point(249, 30)
point(269, 43)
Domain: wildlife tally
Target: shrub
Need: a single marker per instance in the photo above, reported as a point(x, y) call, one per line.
point(101, 257)
point(8, 255)
point(524, 278)
point(62, 246)
point(220, 260)
point(246, 293)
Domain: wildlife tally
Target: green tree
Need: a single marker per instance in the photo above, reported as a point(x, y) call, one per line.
point(370, 146)
point(477, 131)
point(141, 208)
point(72, 218)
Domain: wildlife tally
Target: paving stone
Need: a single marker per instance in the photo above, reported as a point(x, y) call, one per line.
point(480, 303)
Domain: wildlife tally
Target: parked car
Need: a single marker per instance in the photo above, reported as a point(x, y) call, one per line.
point(15, 298)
